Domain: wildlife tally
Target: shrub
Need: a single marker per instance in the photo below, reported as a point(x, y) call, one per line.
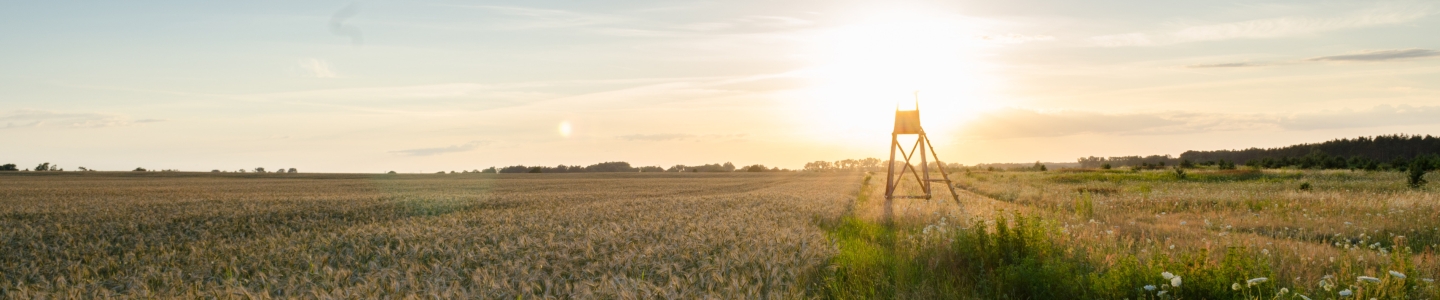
point(1417, 175)
point(140, 170)
point(8, 167)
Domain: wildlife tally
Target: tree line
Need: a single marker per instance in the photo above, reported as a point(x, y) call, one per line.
point(620, 166)
point(1382, 152)
point(48, 167)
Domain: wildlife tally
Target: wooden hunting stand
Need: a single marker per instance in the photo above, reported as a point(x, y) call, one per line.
point(908, 122)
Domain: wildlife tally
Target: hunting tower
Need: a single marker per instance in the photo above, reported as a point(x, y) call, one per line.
point(908, 122)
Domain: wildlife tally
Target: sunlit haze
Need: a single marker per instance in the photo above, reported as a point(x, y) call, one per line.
point(424, 86)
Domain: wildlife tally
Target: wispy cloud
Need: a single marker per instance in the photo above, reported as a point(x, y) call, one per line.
point(1013, 38)
point(1381, 55)
point(317, 68)
point(1378, 116)
point(656, 137)
point(1024, 123)
point(1228, 65)
point(1366, 56)
point(524, 18)
point(661, 137)
point(338, 26)
point(1266, 28)
point(40, 119)
point(442, 150)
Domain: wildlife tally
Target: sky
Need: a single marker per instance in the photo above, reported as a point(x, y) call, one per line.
point(424, 86)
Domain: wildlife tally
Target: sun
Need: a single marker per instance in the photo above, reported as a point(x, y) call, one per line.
point(862, 71)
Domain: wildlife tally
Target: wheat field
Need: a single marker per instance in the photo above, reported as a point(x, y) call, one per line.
point(608, 236)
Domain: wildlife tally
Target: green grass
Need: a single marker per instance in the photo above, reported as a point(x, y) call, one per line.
point(1117, 176)
point(1036, 255)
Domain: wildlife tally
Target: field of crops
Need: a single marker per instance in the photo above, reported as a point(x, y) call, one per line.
point(1226, 234)
point(616, 235)
point(1066, 234)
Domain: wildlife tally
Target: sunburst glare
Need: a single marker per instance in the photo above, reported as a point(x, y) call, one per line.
point(863, 71)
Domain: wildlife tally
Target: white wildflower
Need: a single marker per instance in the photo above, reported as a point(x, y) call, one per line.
point(1346, 293)
point(1161, 293)
point(1368, 279)
point(1175, 282)
point(1397, 274)
point(1167, 275)
point(1149, 287)
point(1235, 286)
point(1284, 291)
point(1255, 281)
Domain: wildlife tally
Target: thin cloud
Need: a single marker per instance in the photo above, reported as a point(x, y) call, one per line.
point(1378, 116)
point(1381, 55)
point(1265, 28)
point(1023, 123)
point(26, 118)
point(317, 68)
point(1018, 123)
point(338, 26)
point(1228, 65)
point(656, 137)
point(1012, 38)
point(1368, 56)
point(442, 150)
point(524, 18)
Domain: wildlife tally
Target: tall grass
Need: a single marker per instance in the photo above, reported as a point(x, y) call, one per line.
point(1226, 234)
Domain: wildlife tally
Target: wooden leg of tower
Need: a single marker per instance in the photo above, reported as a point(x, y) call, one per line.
point(924, 165)
point(948, 184)
point(890, 168)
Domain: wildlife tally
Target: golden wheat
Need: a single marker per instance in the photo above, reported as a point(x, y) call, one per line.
point(446, 236)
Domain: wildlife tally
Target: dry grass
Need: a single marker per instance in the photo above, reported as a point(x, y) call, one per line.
point(72, 235)
point(1347, 224)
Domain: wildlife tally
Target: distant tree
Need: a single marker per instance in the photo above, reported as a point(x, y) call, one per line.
point(140, 170)
point(8, 167)
point(292, 171)
point(756, 168)
point(259, 170)
point(215, 171)
point(42, 167)
point(613, 166)
point(1187, 164)
point(652, 169)
point(391, 172)
point(729, 167)
point(490, 170)
point(1417, 173)
point(515, 169)
point(536, 170)
point(441, 172)
point(1105, 166)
